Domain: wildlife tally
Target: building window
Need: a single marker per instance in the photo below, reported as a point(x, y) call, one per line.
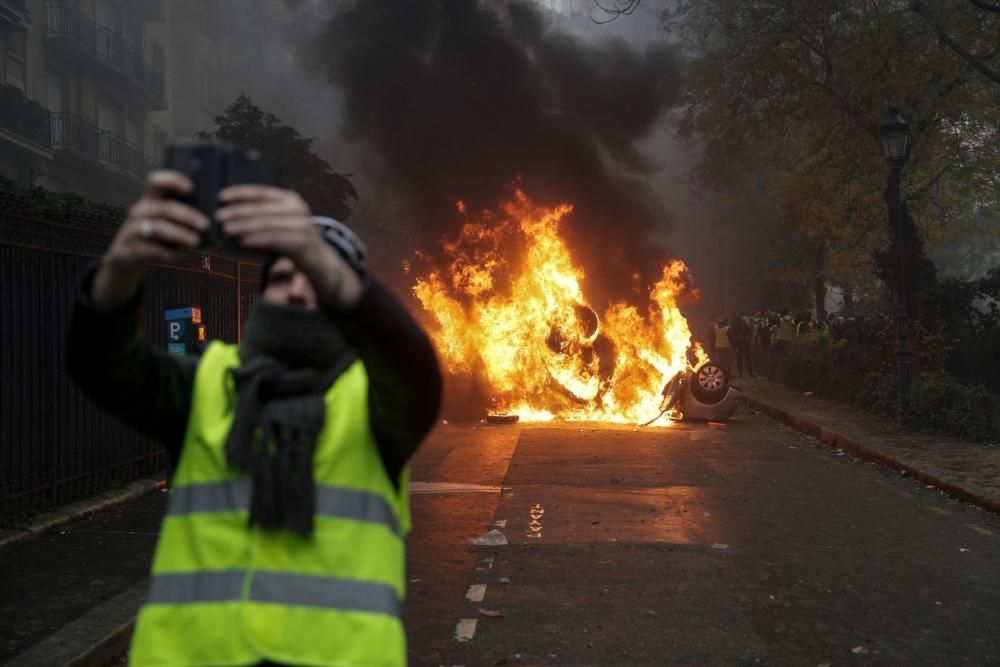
point(17, 55)
point(56, 100)
point(159, 144)
point(56, 85)
point(159, 58)
point(111, 127)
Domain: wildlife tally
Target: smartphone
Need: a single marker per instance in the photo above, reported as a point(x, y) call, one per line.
point(213, 166)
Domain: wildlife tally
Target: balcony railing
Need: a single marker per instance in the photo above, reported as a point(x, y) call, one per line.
point(23, 117)
point(72, 132)
point(106, 47)
point(14, 11)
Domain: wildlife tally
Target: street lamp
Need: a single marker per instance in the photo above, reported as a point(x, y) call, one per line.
point(895, 133)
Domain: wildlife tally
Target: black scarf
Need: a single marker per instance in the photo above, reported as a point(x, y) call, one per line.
point(290, 357)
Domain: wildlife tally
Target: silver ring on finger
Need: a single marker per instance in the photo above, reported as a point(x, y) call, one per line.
point(145, 230)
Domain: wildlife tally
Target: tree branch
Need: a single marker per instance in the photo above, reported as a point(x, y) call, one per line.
point(919, 7)
point(987, 6)
point(620, 8)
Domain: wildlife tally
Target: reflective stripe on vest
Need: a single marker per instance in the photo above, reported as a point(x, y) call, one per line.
point(224, 592)
point(273, 587)
point(232, 495)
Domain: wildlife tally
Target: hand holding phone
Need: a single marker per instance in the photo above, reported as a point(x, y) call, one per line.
point(212, 166)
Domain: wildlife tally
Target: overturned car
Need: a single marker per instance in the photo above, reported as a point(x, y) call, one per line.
point(699, 393)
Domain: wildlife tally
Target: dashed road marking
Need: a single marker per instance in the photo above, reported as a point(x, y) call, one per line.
point(476, 593)
point(465, 630)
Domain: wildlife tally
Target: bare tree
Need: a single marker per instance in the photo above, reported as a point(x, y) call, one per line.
point(978, 63)
point(618, 8)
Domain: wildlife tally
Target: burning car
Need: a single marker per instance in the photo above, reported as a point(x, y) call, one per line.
point(509, 309)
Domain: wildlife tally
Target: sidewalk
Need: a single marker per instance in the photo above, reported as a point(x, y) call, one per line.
point(68, 594)
point(969, 471)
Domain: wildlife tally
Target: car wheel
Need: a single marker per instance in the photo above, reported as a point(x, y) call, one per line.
point(711, 383)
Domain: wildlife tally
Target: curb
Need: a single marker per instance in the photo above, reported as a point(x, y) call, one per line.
point(107, 649)
point(93, 639)
point(81, 510)
point(837, 440)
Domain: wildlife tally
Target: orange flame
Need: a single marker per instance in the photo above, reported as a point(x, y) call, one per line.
point(530, 333)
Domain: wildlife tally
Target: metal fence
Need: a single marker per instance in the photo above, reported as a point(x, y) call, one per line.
point(56, 446)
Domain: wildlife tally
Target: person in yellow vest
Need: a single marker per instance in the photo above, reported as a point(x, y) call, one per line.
point(785, 333)
point(723, 346)
point(283, 542)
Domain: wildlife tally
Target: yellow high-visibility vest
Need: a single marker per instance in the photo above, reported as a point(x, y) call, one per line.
point(224, 593)
point(721, 336)
point(786, 332)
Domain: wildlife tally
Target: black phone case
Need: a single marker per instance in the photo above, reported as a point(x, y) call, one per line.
point(211, 167)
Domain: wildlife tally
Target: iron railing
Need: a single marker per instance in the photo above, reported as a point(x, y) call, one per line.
point(69, 131)
point(23, 116)
point(107, 47)
point(55, 445)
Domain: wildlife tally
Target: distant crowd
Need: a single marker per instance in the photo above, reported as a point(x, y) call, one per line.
point(733, 340)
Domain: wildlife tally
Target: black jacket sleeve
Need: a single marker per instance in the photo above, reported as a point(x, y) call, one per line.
point(115, 367)
point(404, 380)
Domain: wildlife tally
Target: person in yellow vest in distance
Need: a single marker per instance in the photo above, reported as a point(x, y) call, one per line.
point(283, 542)
point(723, 346)
point(785, 333)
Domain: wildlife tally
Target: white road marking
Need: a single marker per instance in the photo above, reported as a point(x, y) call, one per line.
point(465, 630)
point(476, 593)
point(535, 525)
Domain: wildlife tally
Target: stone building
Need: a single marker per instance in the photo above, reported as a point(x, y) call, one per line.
point(91, 91)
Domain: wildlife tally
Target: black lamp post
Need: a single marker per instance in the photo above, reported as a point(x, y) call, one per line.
point(895, 133)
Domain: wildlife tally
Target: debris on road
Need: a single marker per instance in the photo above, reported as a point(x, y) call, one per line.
point(502, 419)
point(494, 538)
point(490, 613)
point(721, 547)
point(859, 650)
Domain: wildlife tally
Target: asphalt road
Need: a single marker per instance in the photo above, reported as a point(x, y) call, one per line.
point(691, 545)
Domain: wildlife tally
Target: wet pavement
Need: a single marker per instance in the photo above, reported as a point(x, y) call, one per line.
point(698, 545)
point(51, 580)
point(689, 545)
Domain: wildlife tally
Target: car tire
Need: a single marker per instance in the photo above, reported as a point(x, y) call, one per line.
point(709, 383)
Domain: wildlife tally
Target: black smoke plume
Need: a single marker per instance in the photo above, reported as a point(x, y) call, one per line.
point(460, 97)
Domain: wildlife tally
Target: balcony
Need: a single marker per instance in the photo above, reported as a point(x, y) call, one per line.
point(87, 141)
point(24, 121)
point(14, 12)
point(76, 33)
